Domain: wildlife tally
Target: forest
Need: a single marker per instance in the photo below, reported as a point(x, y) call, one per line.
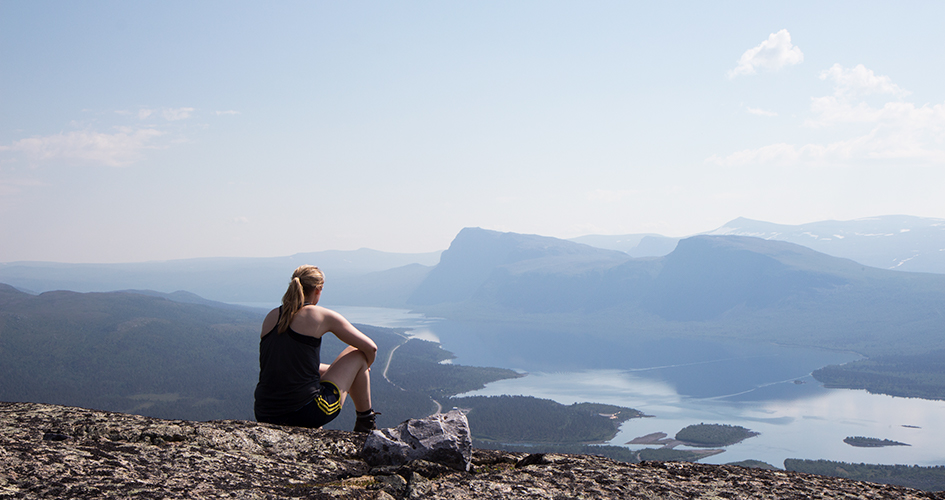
point(713, 435)
point(525, 419)
point(868, 442)
point(913, 476)
point(907, 376)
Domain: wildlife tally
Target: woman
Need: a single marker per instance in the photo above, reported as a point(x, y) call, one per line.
point(295, 388)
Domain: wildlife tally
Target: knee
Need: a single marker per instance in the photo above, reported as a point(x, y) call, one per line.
point(355, 353)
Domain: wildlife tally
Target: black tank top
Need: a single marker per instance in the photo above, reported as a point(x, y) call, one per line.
point(288, 372)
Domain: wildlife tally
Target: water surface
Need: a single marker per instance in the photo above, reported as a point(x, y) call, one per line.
point(679, 382)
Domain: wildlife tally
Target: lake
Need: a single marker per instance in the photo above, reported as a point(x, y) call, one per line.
point(766, 388)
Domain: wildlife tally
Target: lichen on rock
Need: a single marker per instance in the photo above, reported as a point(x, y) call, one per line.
point(49, 451)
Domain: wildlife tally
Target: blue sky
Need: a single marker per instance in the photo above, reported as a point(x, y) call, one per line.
point(134, 131)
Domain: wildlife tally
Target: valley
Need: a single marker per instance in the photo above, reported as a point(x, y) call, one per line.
point(723, 330)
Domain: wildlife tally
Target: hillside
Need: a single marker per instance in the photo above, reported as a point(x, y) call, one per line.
point(144, 353)
point(62, 452)
point(129, 352)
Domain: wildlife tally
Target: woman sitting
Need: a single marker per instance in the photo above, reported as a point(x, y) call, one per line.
point(295, 387)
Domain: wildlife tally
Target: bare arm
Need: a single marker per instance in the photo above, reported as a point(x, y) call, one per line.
point(347, 333)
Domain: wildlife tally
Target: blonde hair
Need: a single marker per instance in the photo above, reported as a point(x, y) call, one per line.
point(304, 280)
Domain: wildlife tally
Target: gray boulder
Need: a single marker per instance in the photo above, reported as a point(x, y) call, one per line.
point(443, 438)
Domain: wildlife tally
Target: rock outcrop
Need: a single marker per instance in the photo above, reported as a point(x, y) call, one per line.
point(443, 438)
point(51, 451)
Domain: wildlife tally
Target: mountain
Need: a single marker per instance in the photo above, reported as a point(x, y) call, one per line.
point(239, 280)
point(634, 245)
point(898, 242)
point(479, 256)
point(732, 287)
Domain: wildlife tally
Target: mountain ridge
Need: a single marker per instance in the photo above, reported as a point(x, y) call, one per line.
point(735, 286)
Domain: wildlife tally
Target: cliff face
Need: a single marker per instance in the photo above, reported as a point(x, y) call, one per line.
point(51, 451)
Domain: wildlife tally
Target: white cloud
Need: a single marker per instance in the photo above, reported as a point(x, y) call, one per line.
point(783, 154)
point(774, 53)
point(228, 112)
point(761, 112)
point(174, 114)
point(169, 114)
point(115, 150)
point(898, 130)
point(859, 81)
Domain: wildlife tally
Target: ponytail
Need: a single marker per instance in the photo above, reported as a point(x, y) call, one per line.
point(304, 280)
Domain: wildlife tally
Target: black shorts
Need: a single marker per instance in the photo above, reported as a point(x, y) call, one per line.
point(323, 408)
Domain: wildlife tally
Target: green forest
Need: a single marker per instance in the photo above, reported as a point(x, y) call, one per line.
point(868, 442)
point(913, 476)
point(128, 352)
point(525, 419)
point(908, 376)
point(713, 435)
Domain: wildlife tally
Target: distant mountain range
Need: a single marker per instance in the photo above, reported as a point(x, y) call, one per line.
point(898, 242)
point(232, 280)
point(634, 245)
point(374, 278)
point(720, 286)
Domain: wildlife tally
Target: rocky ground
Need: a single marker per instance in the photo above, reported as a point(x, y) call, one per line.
point(62, 452)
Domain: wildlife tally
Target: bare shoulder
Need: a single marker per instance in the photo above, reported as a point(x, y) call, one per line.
point(333, 318)
point(313, 320)
point(327, 320)
point(314, 312)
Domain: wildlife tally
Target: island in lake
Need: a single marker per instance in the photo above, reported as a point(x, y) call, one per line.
point(868, 442)
point(699, 436)
point(709, 435)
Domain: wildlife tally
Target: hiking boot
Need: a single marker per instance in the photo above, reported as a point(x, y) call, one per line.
point(365, 423)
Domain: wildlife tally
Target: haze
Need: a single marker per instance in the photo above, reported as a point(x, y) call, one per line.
point(134, 131)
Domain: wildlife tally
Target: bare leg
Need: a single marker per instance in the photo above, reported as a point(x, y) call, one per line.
point(361, 391)
point(350, 372)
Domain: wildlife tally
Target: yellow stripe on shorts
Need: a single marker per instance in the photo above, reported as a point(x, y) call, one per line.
point(325, 406)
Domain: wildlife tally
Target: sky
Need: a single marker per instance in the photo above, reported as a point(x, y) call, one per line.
point(140, 131)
